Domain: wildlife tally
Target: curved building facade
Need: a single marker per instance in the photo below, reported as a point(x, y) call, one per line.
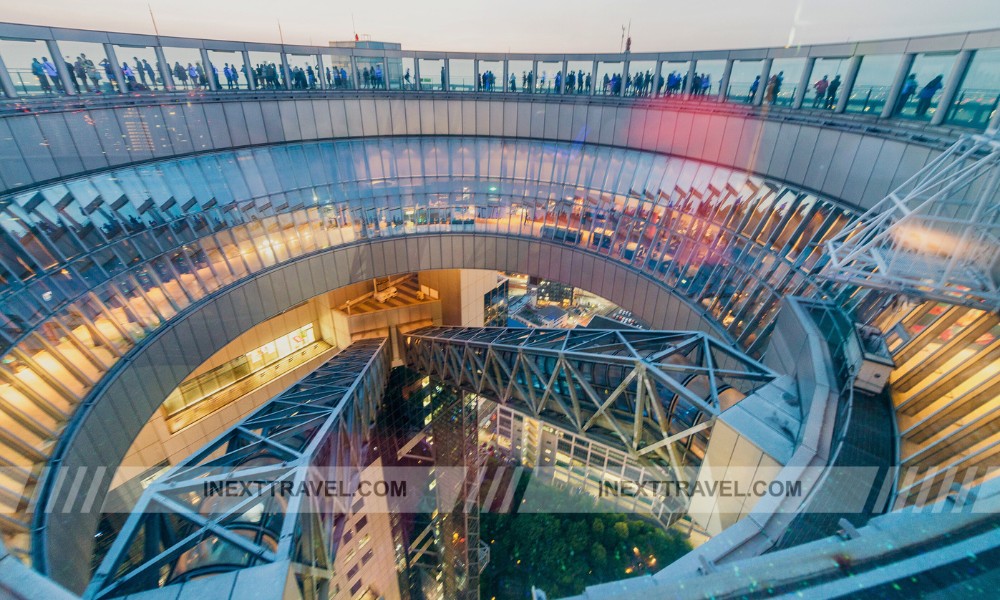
point(146, 228)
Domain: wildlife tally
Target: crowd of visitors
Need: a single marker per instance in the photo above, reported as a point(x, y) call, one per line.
point(139, 75)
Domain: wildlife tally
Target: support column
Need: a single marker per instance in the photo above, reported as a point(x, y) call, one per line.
point(657, 76)
point(57, 59)
point(206, 63)
point(952, 86)
point(321, 72)
point(562, 79)
point(534, 76)
point(446, 84)
point(506, 74)
point(6, 83)
point(477, 84)
point(800, 92)
point(690, 77)
point(115, 67)
point(593, 80)
point(765, 74)
point(251, 84)
point(847, 86)
point(287, 72)
point(164, 67)
point(727, 74)
point(416, 73)
point(625, 65)
point(905, 64)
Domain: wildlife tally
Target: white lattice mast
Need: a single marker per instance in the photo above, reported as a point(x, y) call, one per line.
point(937, 236)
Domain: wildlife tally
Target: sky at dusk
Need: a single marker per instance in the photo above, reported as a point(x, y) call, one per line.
point(523, 25)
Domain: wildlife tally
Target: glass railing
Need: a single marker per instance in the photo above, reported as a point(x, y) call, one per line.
point(95, 68)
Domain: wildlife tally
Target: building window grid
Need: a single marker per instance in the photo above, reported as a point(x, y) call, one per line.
point(126, 326)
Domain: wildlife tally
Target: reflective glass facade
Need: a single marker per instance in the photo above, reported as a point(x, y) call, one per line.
point(94, 265)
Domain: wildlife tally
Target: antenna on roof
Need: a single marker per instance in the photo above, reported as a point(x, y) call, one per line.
point(156, 29)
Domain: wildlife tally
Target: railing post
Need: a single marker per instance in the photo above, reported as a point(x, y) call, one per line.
point(847, 87)
point(951, 87)
point(800, 92)
point(164, 67)
point(116, 68)
point(64, 76)
point(765, 75)
point(206, 64)
point(689, 80)
point(6, 83)
point(905, 64)
point(727, 74)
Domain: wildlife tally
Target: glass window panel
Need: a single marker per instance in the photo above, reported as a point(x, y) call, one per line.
point(31, 68)
point(432, 76)
point(641, 78)
point(338, 67)
point(461, 75)
point(672, 75)
point(518, 75)
point(138, 65)
point(708, 77)
point(230, 69)
point(302, 72)
point(874, 79)
point(403, 73)
point(977, 98)
point(86, 57)
point(490, 76)
point(548, 73)
point(267, 70)
point(922, 88)
point(744, 80)
point(371, 72)
point(577, 74)
point(608, 78)
point(827, 76)
point(789, 72)
point(186, 68)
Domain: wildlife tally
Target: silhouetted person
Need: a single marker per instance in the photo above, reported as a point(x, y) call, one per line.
point(927, 94)
point(820, 87)
point(831, 92)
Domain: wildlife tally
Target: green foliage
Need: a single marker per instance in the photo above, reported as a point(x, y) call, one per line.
point(563, 552)
point(621, 530)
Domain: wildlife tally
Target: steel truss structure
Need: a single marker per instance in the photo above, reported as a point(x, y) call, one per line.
point(638, 390)
point(177, 532)
point(937, 236)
